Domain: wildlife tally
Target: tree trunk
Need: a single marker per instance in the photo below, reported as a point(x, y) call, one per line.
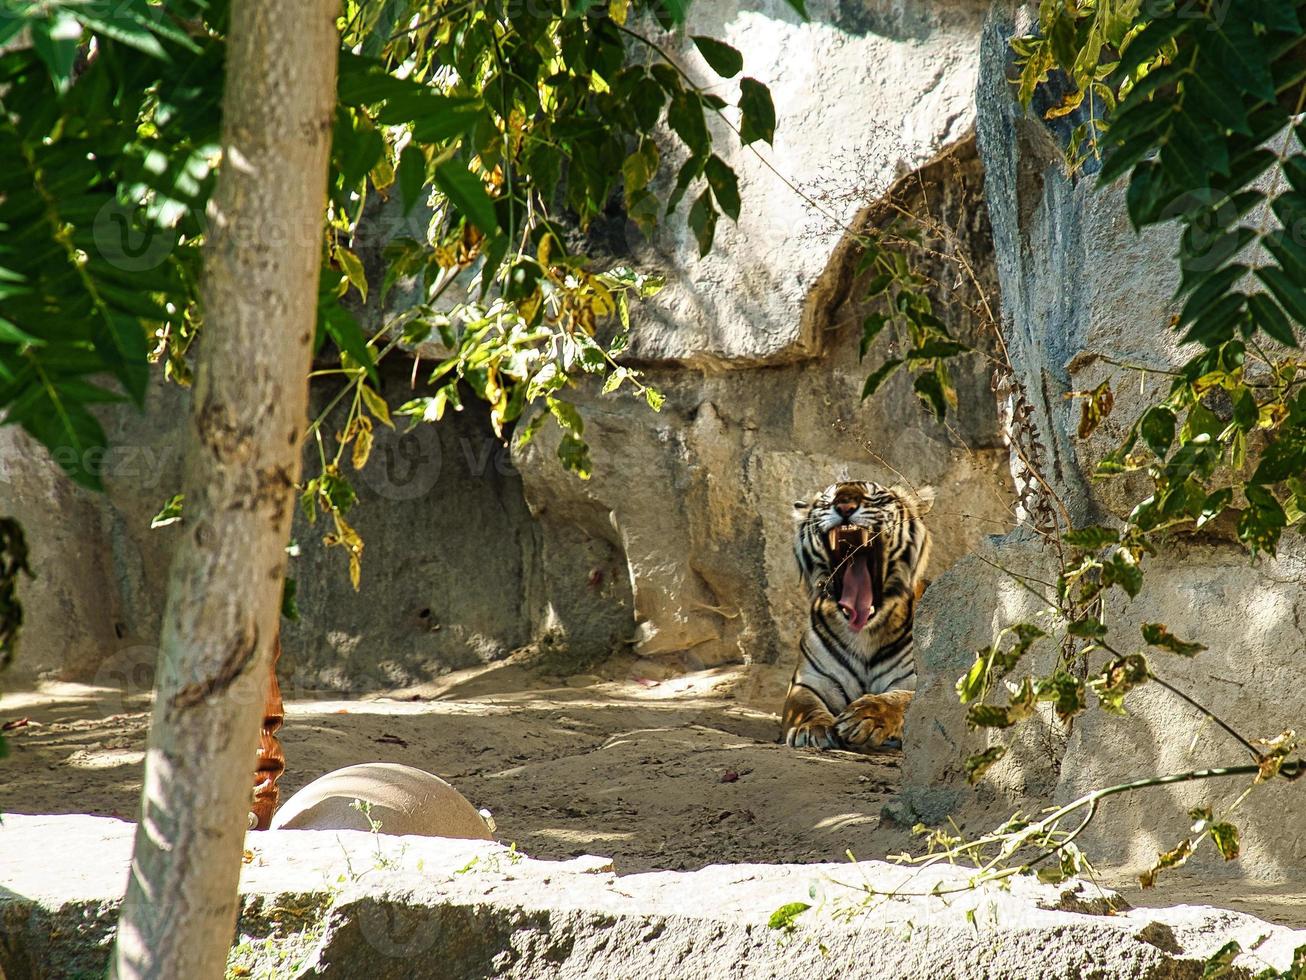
point(242, 461)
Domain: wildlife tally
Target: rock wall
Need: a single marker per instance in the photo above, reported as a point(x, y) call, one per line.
point(680, 544)
point(1079, 285)
point(755, 346)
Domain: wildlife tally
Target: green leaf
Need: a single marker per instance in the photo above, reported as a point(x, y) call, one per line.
point(575, 456)
point(467, 194)
point(783, 917)
point(929, 389)
point(871, 328)
point(1174, 859)
point(756, 112)
point(1242, 57)
point(685, 116)
point(1214, 100)
point(55, 40)
point(1263, 521)
point(121, 342)
point(723, 59)
point(567, 415)
point(1156, 634)
point(11, 333)
point(170, 513)
point(1286, 291)
point(289, 605)
point(936, 348)
point(1087, 628)
point(879, 376)
point(1270, 319)
point(1121, 569)
point(1246, 412)
point(976, 766)
point(376, 405)
point(1117, 679)
point(1157, 427)
point(1213, 506)
point(341, 326)
point(1091, 538)
point(1020, 707)
point(73, 435)
point(121, 27)
point(639, 168)
point(1284, 458)
point(702, 219)
point(724, 184)
point(645, 101)
point(352, 266)
point(971, 685)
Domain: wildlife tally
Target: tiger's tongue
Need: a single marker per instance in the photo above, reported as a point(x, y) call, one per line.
point(857, 598)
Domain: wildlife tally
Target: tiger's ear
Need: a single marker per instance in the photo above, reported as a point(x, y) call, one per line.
point(921, 498)
point(801, 508)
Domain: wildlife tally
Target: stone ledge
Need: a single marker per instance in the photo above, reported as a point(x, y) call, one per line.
point(383, 906)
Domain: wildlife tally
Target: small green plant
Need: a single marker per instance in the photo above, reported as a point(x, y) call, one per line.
point(280, 939)
point(381, 861)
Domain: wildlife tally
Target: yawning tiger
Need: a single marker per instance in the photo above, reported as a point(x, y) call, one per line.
point(862, 550)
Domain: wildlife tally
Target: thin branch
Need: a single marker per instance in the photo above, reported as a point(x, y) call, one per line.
point(1256, 754)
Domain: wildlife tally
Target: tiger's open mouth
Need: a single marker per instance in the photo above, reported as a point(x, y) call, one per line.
point(859, 564)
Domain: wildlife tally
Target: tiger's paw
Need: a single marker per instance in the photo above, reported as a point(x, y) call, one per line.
point(816, 733)
point(873, 720)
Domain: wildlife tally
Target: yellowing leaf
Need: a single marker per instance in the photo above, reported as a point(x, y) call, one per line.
point(376, 405)
point(362, 446)
point(352, 266)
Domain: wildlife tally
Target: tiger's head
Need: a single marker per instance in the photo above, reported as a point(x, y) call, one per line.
point(862, 545)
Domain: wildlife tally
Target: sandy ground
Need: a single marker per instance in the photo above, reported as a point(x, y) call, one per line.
point(673, 773)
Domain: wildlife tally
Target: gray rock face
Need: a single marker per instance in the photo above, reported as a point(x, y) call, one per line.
point(1078, 286)
point(697, 498)
point(755, 347)
point(92, 611)
point(864, 92)
point(1250, 618)
point(350, 904)
point(447, 541)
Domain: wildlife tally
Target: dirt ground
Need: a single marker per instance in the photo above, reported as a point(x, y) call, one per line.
point(670, 774)
point(658, 773)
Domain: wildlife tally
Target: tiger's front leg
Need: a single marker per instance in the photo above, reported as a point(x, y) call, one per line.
point(872, 720)
point(807, 722)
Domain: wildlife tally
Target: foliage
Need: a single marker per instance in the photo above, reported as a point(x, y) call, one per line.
point(82, 268)
point(908, 312)
point(484, 133)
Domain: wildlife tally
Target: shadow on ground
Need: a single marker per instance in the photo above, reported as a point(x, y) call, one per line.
point(676, 774)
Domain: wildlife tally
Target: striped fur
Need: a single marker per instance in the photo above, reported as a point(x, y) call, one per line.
point(852, 686)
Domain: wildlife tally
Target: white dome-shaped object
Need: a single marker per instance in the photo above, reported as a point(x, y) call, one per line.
point(403, 800)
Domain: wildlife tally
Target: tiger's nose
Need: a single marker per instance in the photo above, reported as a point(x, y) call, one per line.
point(846, 510)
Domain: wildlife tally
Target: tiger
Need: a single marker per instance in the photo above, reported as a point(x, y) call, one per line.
point(862, 550)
